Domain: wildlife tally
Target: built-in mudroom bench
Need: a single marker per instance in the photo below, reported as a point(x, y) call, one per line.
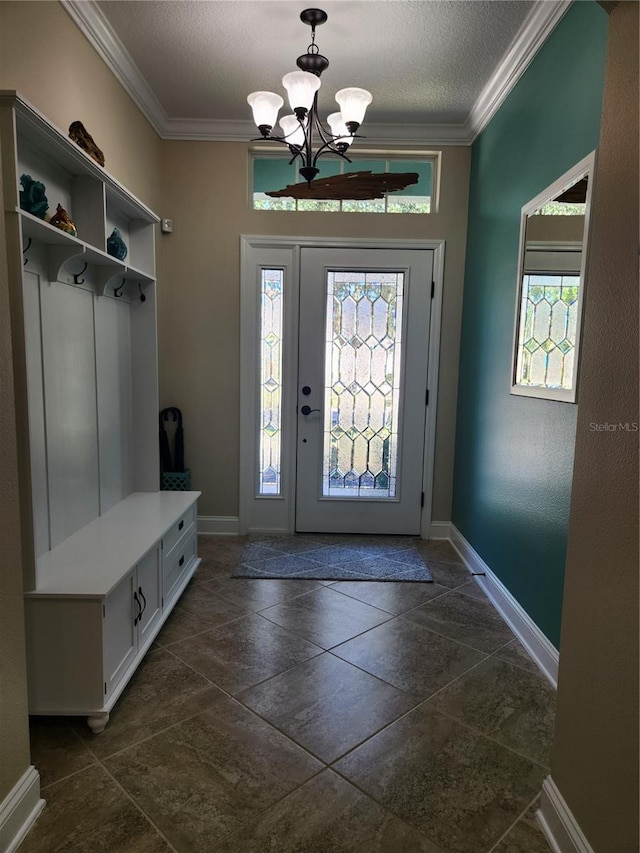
point(109, 589)
point(106, 554)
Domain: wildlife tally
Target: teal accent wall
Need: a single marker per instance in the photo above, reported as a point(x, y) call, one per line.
point(514, 455)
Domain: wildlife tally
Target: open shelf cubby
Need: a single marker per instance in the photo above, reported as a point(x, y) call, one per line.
point(105, 553)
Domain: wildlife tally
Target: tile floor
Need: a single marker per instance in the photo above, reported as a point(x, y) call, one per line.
point(300, 716)
point(334, 556)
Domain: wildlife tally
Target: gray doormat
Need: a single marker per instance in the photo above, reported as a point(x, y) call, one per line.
point(339, 557)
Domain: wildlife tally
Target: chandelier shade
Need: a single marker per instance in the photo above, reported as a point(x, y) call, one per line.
point(301, 88)
point(353, 105)
point(304, 128)
point(265, 106)
point(293, 130)
point(338, 128)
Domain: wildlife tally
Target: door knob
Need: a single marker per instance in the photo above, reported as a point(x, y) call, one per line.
point(306, 410)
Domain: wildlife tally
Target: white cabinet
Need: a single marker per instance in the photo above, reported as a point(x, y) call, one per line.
point(120, 635)
point(106, 554)
point(132, 612)
point(111, 588)
point(147, 595)
point(179, 548)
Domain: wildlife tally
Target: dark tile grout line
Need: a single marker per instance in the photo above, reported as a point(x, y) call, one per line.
point(424, 701)
point(314, 591)
point(418, 704)
point(330, 650)
point(322, 648)
point(451, 639)
point(492, 740)
point(395, 814)
point(97, 763)
point(138, 807)
point(521, 666)
point(516, 821)
point(445, 590)
point(93, 763)
point(235, 697)
point(412, 696)
point(284, 734)
point(230, 696)
point(387, 807)
point(325, 765)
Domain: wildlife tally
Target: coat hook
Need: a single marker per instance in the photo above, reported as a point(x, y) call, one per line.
point(76, 276)
point(143, 298)
point(25, 250)
point(117, 291)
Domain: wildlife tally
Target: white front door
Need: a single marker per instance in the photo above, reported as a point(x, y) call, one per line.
point(363, 347)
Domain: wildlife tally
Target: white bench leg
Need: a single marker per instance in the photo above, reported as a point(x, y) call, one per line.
point(98, 723)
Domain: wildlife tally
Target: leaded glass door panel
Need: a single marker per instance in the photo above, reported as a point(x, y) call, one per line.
point(363, 344)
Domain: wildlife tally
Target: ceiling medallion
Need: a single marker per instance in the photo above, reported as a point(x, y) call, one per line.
point(300, 129)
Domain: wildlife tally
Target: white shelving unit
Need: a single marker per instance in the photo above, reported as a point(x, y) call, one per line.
point(106, 554)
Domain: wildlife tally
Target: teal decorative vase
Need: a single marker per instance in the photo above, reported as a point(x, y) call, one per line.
point(32, 197)
point(116, 245)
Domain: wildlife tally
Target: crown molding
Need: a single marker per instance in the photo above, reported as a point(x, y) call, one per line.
point(541, 21)
point(217, 130)
point(538, 26)
point(97, 29)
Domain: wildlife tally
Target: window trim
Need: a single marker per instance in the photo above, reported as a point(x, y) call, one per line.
point(276, 152)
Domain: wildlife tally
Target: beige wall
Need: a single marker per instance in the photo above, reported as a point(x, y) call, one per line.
point(14, 733)
point(206, 194)
point(203, 188)
point(559, 229)
point(46, 58)
point(595, 753)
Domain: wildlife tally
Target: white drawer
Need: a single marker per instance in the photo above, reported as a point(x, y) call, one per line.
point(174, 568)
point(178, 529)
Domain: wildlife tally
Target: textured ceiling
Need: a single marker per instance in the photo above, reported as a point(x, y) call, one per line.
point(425, 61)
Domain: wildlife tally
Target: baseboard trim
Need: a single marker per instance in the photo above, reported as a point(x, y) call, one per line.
point(269, 531)
point(218, 525)
point(535, 642)
point(558, 824)
point(440, 530)
point(19, 810)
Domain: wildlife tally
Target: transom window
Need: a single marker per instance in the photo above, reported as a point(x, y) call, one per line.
point(271, 172)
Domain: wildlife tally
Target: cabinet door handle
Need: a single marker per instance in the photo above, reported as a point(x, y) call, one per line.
point(144, 601)
point(181, 525)
point(181, 561)
point(139, 613)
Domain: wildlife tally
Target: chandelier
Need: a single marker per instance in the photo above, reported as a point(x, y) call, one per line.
point(300, 128)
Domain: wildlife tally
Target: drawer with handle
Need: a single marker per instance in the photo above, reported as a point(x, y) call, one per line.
point(174, 568)
point(178, 529)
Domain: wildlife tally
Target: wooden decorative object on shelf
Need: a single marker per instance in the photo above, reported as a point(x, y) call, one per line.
point(81, 136)
point(354, 185)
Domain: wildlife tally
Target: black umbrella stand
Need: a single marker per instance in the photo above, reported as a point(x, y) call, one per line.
point(175, 477)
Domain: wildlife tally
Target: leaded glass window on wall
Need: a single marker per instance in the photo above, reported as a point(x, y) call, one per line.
point(270, 381)
point(362, 384)
point(548, 321)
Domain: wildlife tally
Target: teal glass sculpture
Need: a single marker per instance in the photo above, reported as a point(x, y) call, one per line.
point(32, 197)
point(116, 245)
